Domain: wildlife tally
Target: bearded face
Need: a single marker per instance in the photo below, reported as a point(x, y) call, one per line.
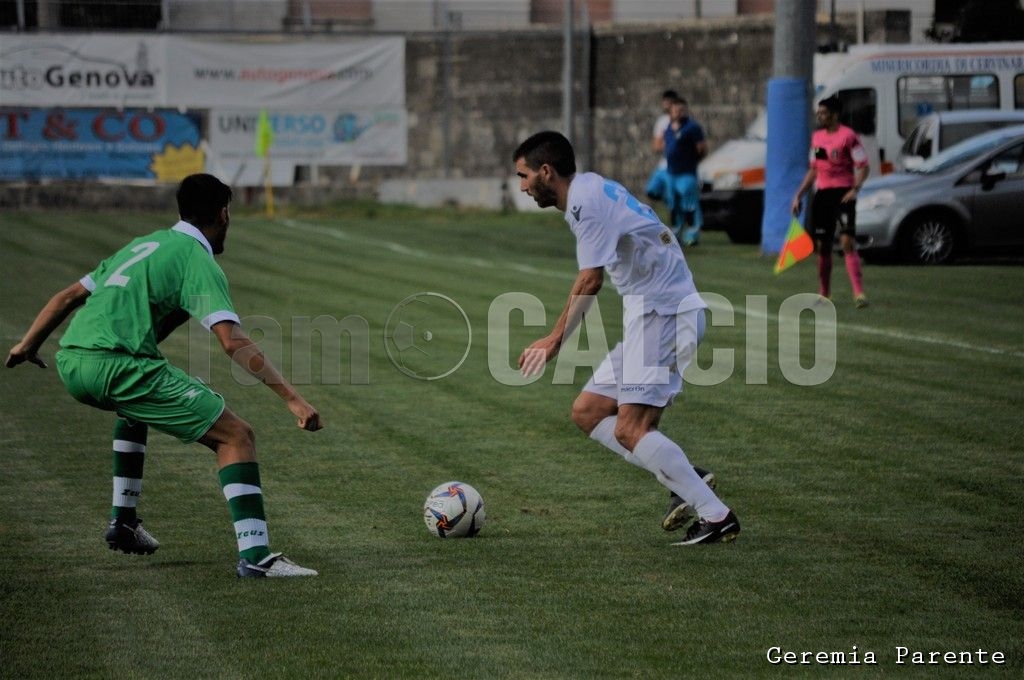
point(534, 184)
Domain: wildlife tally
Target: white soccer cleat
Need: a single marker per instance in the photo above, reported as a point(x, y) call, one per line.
point(274, 565)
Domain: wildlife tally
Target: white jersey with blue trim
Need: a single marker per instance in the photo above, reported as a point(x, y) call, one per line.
point(641, 255)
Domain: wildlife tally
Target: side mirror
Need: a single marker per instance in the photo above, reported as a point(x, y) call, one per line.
point(990, 177)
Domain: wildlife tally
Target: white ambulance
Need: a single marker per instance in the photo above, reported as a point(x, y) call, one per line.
point(885, 89)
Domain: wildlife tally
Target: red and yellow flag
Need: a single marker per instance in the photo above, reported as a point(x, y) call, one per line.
point(798, 245)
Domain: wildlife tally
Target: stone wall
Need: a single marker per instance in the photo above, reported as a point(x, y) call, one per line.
point(506, 85)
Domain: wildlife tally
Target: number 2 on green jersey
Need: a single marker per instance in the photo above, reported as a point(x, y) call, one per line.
point(142, 251)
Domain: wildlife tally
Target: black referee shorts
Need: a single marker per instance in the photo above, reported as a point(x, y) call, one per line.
point(829, 214)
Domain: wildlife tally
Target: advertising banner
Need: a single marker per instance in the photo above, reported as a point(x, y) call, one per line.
point(339, 136)
point(355, 73)
point(82, 70)
point(158, 145)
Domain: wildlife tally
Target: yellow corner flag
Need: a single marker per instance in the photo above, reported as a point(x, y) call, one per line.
point(264, 140)
point(264, 135)
point(798, 245)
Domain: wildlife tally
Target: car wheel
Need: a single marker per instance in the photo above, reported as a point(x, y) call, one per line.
point(929, 239)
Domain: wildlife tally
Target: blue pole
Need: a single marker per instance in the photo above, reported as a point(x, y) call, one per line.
point(786, 158)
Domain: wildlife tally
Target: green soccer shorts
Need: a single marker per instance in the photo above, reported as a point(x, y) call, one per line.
point(142, 389)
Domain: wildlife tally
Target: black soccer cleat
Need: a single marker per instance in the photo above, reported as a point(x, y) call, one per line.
point(130, 538)
point(680, 514)
point(712, 532)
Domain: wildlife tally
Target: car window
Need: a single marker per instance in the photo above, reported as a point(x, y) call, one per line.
point(1009, 161)
point(959, 153)
point(957, 132)
point(918, 96)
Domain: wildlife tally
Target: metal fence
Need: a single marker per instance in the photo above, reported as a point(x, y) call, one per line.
point(310, 16)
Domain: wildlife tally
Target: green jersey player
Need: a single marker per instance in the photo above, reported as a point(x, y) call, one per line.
point(110, 360)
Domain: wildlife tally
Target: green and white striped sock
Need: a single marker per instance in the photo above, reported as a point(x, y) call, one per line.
point(129, 456)
point(241, 485)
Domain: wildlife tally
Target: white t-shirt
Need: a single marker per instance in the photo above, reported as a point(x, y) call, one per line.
point(642, 257)
point(660, 125)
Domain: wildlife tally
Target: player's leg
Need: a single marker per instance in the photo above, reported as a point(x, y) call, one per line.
point(655, 188)
point(662, 348)
point(125, 532)
point(168, 399)
point(666, 460)
point(823, 222)
point(234, 442)
point(689, 206)
point(90, 378)
point(847, 239)
point(595, 409)
point(656, 351)
point(672, 199)
point(595, 414)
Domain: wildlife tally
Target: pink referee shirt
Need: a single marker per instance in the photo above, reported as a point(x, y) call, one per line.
point(834, 155)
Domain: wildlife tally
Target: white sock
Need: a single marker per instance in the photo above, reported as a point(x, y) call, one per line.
point(666, 460)
point(605, 434)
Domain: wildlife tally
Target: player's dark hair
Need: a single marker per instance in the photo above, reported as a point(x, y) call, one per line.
point(201, 197)
point(548, 147)
point(833, 104)
point(670, 94)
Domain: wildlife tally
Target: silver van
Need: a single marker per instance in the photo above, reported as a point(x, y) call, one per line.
point(941, 129)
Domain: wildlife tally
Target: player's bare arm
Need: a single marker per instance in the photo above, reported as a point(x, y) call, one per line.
point(860, 177)
point(588, 283)
point(247, 354)
point(49, 318)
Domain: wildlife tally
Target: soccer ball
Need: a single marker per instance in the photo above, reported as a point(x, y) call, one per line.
point(454, 510)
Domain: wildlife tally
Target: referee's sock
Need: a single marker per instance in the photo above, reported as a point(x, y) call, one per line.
point(825, 274)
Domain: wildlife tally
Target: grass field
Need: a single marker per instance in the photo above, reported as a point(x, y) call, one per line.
point(880, 509)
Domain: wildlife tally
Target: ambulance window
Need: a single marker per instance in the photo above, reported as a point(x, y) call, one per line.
point(859, 110)
point(920, 95)
point(1018, 92)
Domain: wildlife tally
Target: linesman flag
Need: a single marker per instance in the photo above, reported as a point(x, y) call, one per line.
point(798, 245)
point(264, 135)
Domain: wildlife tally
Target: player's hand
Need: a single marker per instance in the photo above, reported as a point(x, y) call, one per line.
point(308, 417)
point(19, 356)
point(534, 357)
point(795, 207)
point(850, 195)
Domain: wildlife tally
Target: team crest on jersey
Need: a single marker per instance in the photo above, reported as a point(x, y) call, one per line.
point(575, 210)
point(666, 237)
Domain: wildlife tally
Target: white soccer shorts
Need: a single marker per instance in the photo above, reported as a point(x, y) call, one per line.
point(647, 366)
